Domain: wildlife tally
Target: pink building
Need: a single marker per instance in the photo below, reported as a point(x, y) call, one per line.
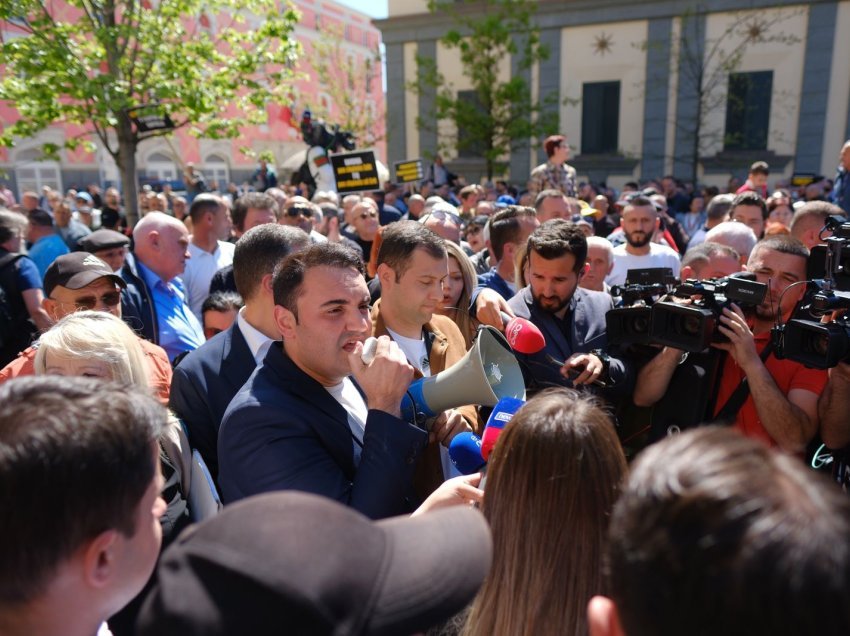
point(220, 160)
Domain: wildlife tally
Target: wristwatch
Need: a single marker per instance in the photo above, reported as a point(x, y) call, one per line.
point(605, 376)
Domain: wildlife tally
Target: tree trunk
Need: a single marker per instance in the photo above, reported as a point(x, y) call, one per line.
point(127, 143)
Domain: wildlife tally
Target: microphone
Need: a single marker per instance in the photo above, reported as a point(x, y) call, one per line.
point(465, 453)
point(502, 413)
point(370, 346)
point(523, 335)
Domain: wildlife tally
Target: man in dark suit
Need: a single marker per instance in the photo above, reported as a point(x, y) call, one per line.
point(572, 319)
point(207, 379)
point(314, 416)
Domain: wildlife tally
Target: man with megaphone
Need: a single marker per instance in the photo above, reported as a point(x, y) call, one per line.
point(412, 268)
point(315, 416)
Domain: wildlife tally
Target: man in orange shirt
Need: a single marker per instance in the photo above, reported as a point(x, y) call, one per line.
point(79, 281)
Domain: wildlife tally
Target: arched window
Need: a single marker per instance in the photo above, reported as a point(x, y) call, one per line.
point(160, 166)
point(217, 170)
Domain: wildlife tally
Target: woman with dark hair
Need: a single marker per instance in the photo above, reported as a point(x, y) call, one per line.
point(552, 481)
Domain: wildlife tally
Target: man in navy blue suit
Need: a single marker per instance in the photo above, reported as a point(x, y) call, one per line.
point(509, 229)
point(207, 379)
point(571, 319)
point(314, 416)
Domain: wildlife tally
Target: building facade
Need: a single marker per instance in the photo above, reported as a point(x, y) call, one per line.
point(773, 78)
point(221, 160)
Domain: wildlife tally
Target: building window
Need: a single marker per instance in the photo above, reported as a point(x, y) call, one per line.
point(34, 175)
point(600, 118)
point(216, 172)
point(160, 167)
point(748, 110)
point(465, 147)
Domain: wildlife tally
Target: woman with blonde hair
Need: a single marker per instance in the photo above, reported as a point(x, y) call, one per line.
point(552, 481)
point(457, 292)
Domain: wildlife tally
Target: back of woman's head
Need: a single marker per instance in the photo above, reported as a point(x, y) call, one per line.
point(552, 481)
point(94, 336)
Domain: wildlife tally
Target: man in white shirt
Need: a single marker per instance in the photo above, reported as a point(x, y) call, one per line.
point(210, 227)
point(412, 268)
point(206, 380)
point(640, 220)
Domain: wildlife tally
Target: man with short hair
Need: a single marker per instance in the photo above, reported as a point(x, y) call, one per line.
point(555, 174)
point(415, 205)
point(571, 319)
point(469, 197)
point(509, 230)
point(780, 408)
point(750, 209)
point(208, 248)
point(551, 204)
point(734, 538)
point(68, 227)
point(80, 281)
point(808, 221)
point(363, 227)
point(442, 219)
point(29, 201)
point(710, 260)
point(206, 380)
point(640, 221)
point(253, 209)
point(87, 544)
point(330, 226)
point(315, 417)
point(738, 236)
point(716, 213)
point(841, 187)
point(299, 212)
point(412, 269)
point(156, 305)
point(219, 311)
point(45, 243)
point(756, 179)
point(111, 216)
point(600, 262)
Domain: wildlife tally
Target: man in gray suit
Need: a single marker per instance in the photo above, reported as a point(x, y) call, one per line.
point(571, 319)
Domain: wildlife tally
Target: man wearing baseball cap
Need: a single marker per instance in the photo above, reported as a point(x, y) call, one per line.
point(78, 281)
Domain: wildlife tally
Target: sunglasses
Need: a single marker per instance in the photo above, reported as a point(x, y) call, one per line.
point(110, 299)
point(472, 230)
point(366, 215)
point(305, 212)
point(442, 215)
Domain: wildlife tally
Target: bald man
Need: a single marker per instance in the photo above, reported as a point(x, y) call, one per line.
point(156, 305)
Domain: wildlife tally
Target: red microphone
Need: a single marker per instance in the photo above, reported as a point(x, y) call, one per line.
point(523, 335)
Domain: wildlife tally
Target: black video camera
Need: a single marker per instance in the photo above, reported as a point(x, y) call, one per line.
point(693, 327)
point(628, 323)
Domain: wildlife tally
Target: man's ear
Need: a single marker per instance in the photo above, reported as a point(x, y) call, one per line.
point(687, 272)
point(584, 271)
point(285, 321)
point(385, 274)
point(49, 305)
point(153, 239)
point(98, 558)
point(267, 284)
point(602, 617)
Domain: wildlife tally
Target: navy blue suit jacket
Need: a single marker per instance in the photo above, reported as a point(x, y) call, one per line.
point(205, 382)
point(587, 331)
point(284, 431)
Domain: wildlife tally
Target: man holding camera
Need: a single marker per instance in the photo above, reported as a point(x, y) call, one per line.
point(768, 399)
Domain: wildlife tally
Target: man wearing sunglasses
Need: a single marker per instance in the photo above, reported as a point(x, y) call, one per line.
point(299, 212)
point(81, 281)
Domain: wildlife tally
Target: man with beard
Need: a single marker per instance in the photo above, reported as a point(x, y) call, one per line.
point(571, 319)
point(640, 220)
point(781, 408)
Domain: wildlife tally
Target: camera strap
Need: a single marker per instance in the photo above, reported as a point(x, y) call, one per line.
point(729, 412)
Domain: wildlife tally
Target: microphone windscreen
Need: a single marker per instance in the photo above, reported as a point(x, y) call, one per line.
point(502, 413)
point(524, 336)
point(465, 453)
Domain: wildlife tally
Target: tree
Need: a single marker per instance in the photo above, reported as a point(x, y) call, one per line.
point(502, 115)
point(703, 66)
point(350, 84)
point(100, 63)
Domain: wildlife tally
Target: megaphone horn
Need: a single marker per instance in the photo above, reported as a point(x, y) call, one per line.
point(488, 372)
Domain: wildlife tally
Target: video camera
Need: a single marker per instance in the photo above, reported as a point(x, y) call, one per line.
point(628, 323)
point(693, 327)
point(816, 344)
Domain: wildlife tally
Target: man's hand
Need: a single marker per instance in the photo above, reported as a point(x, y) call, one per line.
point(457, 491)
point(386, 379)
point(741, 345)
point(489, 307)
point(582, 368)
point(446, 425)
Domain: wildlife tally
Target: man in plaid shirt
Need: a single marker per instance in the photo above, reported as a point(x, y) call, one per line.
point(555, 173)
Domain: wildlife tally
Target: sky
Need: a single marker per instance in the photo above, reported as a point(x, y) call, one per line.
point(372, 8)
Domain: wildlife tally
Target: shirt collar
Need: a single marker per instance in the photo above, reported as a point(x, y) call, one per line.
point(151, 279)
point(258, 343)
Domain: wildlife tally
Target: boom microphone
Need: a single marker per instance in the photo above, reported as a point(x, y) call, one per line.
point(465, 453)
point(501, 415)
point(523, 335)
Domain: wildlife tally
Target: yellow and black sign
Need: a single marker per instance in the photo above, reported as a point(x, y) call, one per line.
point(801, 179)
point(355, 172)
point(408, 171)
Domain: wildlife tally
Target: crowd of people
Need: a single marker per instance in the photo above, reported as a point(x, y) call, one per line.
point(220, 345)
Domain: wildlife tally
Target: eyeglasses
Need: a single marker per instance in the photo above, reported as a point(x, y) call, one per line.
point(305, 212)
point(366, 215)
point(472, 230)
point(442, 215)
point(110, 299)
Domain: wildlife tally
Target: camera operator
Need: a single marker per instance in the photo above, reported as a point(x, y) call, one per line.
point(780, 407)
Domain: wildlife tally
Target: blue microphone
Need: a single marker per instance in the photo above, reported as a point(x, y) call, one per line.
point(465, 453)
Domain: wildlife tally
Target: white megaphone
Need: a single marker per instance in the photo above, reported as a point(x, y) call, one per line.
point(487, 373)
